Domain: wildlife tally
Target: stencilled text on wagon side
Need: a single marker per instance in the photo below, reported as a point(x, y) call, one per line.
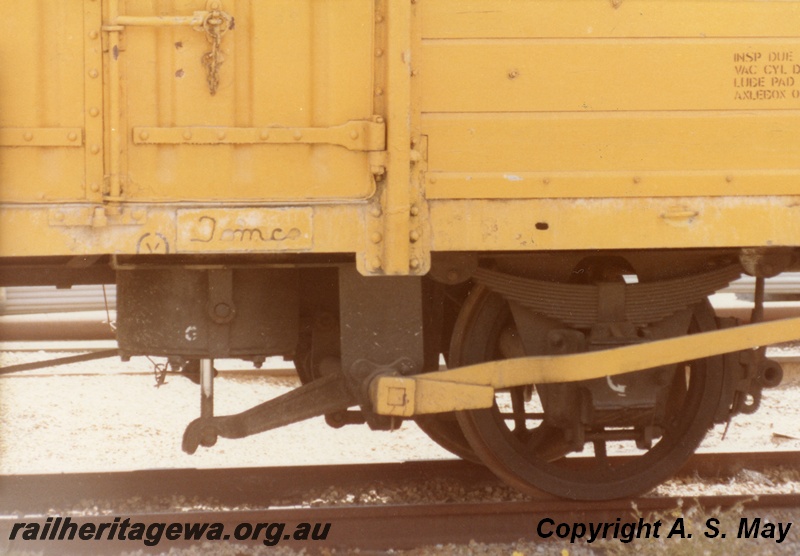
point(766, 75)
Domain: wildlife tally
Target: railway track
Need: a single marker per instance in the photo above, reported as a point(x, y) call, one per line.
point(265, 486)
point(275, 495)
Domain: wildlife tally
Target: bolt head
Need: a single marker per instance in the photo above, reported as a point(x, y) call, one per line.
point(222, 310)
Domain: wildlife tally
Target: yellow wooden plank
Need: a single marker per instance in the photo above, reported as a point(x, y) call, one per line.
point(609, 75)
point(634, 223)
point(609, 18)
point(727, 142)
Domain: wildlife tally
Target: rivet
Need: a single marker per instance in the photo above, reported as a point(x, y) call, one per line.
point(378, 91)
point(375, 263)
point(378, 52)
point(72, 136)
point(187, 135)
point(637, 179)
point(414, 210)
point(94, 187)
point(222, 310)
point(413, 236)
point(375, 211)
point(729, 179)
point(379, 18)
point(354, 134)
point(95, 149)
point(264, 134)
point(452, 275)
point(414, 73)
point(94, 112)
point(93, 73)
point(379, 120)
point(144, 136)
point(432, 179)
point(220, 135)
point(414, 263)
point(298, 135)
point(376, 237)
point(93, 34)
point(546, 181)
point(28, 136)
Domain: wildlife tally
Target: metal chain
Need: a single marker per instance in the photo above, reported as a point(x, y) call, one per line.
point(215, 25)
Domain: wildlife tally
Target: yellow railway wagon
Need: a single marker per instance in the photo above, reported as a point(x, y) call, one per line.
point(543, 191)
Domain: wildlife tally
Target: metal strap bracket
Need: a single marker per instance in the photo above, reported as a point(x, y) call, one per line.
point(355, 135)
point(41, 137)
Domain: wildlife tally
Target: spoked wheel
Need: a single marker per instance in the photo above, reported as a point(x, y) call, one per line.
point(513, 440)
point(443, 428)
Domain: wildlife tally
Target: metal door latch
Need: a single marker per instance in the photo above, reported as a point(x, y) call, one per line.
point(214, 22)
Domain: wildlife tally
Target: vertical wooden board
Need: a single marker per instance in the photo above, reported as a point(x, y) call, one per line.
point(42, 88)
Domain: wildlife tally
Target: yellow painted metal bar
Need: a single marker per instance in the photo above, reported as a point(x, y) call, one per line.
point(93, 115)
point(604, 184)
point(165, 21)
point(472, 387)
point(398, 177)
point(354, 135)
point(41, 137)
point(114, 106)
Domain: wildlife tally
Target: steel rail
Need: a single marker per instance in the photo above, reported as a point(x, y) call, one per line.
point(91, 356)
point(266, 486)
